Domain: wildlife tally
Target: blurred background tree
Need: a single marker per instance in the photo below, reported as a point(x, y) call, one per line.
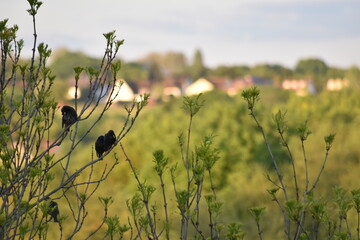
point(353, 75)
point(197, 68)
point(314, 69)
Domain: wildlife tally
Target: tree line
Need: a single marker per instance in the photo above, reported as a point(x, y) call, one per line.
point(155, 67)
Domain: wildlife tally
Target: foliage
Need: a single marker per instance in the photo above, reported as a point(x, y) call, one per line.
point(353, 74)
point(133, 72)
point(34, 177)
point(294, 206)
point(231, 72)
point(320, 213)
point(171, 63)
point(188, 189)
point(272, 71)
point(197, 68)
point(239, 174)
point(65, 61)
point(314, 69)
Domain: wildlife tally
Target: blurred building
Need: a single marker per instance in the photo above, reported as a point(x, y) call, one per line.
point(122, 92)
point(301, 87)
point(174, 86)
point(199, 86)
point(238, 84)
point(336, 84)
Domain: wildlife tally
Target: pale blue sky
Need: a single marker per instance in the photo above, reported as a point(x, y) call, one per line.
point(227, 32)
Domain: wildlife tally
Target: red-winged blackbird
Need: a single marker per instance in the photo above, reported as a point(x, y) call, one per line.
point(109, 140)
point(104, 143)
point(69, 116)
point(54, 211)
point(100, 146)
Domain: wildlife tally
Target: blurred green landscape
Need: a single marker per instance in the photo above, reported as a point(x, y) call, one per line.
point(240, 174)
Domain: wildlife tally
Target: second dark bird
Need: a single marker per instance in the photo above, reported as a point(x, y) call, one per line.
point(69, 117)
point(54, 210)
point(104, 143)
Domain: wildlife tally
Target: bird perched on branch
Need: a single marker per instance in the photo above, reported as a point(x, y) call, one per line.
point(69, 117)
point(54, 210)
point(104, 143)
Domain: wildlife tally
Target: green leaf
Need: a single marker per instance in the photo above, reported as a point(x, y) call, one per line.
point(257, 213)
point(251, 96)
point(329, 139)
point(279, 119)
point(304, 131)
point(160, 161)
point(235, 232)
point(192, 105)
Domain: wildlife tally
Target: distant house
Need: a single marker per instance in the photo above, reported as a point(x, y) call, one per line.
point(236, 85)
point(173, 87)
point(199, 86)
point(123, 91)
point(172, 91)
point(230, 86)
point(336, 84)
point(300, 86)
point(142, 87)
point(221, 83)
point(253, 80)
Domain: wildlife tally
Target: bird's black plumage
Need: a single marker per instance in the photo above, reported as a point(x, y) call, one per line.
point(104, 143)
point(109, 140)
point(54, 211)
point(100, 146)
point(69, 116)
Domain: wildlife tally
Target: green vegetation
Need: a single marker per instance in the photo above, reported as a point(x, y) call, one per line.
point(241, 173)
point(34, 174)
point(197, 68)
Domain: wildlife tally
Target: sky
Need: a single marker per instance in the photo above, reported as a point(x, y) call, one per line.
point(227, 32)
